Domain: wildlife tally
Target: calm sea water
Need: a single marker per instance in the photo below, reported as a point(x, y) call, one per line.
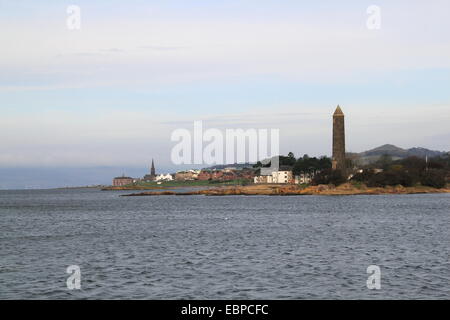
point(197, 247)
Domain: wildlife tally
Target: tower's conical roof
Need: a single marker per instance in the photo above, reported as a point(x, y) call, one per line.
point(338, 111)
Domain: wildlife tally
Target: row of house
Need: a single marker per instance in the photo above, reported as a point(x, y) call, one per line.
point(283, 175)
point(226, 174)
point(123, 180)
point(187, 175)
point(267, 175)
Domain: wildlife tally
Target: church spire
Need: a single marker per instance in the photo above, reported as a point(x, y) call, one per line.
point(152, 170)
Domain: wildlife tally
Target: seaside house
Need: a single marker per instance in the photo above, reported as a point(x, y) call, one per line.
point(268, 175)
point(282, 176)
point(122, 181)
point(265, 176)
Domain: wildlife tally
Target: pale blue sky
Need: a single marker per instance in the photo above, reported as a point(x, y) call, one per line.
point(139, 69)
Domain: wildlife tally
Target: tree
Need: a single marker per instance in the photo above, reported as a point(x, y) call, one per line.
point(384, 161)
point(364, 176)
point(392, 178)
point(328, 176)
point(258, 165)
point(307, 165)
point(415, 164)
point(407, 172)
point(287, 161)
point(433, 178)
point(324, 162)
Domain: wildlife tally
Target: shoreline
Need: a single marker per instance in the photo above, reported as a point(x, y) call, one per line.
point(293, 190)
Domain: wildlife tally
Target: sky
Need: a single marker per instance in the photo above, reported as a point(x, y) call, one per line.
point(109, 95)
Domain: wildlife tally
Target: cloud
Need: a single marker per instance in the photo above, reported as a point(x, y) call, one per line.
point(112, 92)
point(113, 50)
point(130, 138)
point(208, 49)
point(253, 119)
point(162, 48)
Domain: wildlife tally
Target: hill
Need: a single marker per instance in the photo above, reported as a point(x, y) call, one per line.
point(396, 153)
point(365, 157)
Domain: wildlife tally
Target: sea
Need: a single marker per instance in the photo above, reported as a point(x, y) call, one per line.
point(93, 244)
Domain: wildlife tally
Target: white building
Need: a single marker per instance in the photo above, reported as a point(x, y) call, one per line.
point(267, 175)
point(282, 177)
point(263, 179)
point(164, 177)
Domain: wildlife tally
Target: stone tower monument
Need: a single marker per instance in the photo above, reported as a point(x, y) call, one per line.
point(338, 159)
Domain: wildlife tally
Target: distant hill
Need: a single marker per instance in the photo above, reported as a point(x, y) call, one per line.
point(395, 152)
point(365, 157)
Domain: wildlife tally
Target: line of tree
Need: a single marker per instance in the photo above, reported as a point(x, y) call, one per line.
point(311, 165)
point(301, 165)
point(406, 172)
point(328, 176)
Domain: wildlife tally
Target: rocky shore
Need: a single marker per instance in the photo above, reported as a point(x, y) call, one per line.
point(291, 190)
